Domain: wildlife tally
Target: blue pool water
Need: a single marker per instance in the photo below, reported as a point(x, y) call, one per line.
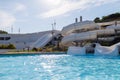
point(59, 67)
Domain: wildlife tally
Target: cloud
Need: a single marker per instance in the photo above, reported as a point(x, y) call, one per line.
point(6, 19)
point(20, 7)
point(71, 5)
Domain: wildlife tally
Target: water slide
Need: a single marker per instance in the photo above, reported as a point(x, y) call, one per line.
point(90, 35)
point(77, 26)
point(99, 50)
point(104, 50)
point(117, 27)
point(107, 39)
point(108, 23)
point(90, 25)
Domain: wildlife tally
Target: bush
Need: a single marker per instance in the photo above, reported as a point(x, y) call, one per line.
point(111, 17)
point(40, 49)
point(34, 49)
point(2, 46)
point(97, 19)
point(10, 46)
point(49, 50)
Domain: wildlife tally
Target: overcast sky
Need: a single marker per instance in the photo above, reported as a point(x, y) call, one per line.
point(37, 15)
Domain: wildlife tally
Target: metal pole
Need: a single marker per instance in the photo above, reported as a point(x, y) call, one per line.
point(52, 29)
point(12, 29)
point(19, 30)
point(54, 24)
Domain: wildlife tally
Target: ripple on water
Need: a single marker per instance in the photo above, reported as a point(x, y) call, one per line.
point(59, 67)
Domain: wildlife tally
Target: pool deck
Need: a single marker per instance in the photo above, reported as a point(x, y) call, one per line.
point(29, 53)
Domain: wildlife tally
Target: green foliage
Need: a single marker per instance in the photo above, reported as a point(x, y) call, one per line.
point(3, 32)
point(2, 46)
point(10, 46)
point(111, 17)
point(35, 49)
point(97, 19)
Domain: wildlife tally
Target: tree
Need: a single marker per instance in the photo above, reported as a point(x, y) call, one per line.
point(97, 19)
point(110, 17)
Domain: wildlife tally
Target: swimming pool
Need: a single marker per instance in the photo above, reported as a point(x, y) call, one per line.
point(59, 67)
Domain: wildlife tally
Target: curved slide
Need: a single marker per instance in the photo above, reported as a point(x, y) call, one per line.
point(85, 25)
point(90, 35)
point(78, 26)
point(99, 50)
point(109, 51)
point(108, 23)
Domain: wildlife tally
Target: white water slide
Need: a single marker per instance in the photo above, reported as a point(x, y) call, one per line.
point(87, 25)
point(90, 35)
point(79, 26)
point(109, 51)
point(99, 50)
point(108, 23)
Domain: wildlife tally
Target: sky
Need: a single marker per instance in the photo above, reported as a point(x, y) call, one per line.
point(29, 16)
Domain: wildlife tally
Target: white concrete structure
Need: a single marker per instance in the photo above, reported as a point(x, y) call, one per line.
point(31, 40)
